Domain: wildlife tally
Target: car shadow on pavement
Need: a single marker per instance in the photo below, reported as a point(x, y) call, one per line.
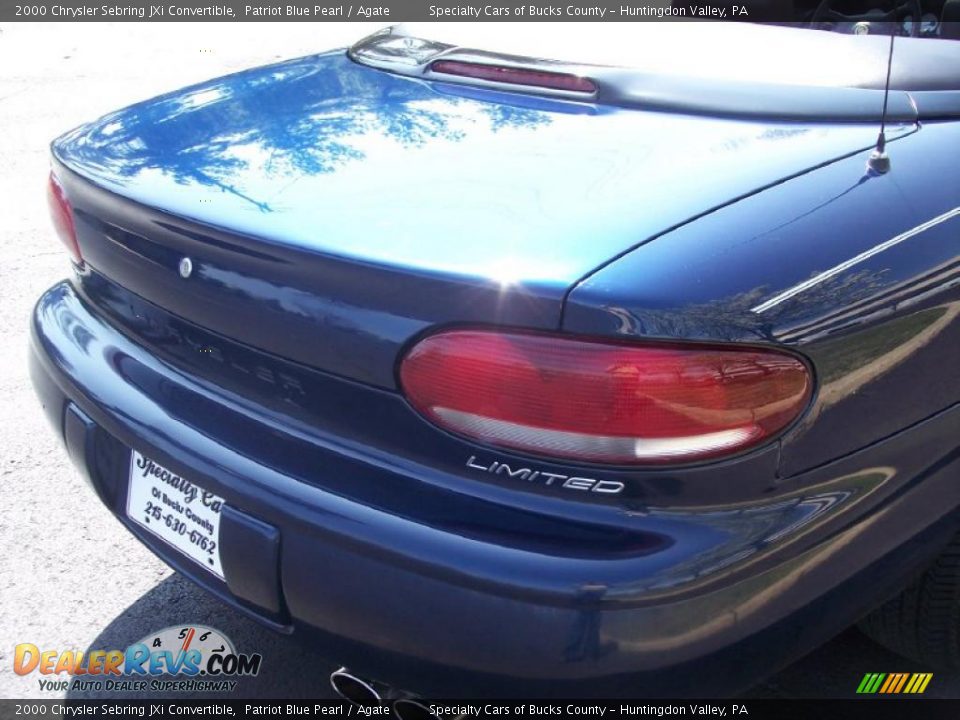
point(289, 670)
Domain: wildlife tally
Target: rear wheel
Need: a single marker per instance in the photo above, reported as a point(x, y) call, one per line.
point(923, 622)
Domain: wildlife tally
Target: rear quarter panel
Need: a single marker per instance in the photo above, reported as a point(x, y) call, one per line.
point(878, 318)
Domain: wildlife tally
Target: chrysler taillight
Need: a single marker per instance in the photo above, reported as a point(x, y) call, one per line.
point(62, 215)
point(603, 402)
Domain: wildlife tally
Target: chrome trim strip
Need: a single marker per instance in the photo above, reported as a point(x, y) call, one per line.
point(855, 260)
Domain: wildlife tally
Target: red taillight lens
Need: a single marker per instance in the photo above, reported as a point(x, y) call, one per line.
point(62, 215)
point(603, 402)
point(515, 76)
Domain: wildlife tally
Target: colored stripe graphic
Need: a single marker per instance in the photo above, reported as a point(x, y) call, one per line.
point(892, 679)
point(894, 683)
point(903, 681)
point(918, 683)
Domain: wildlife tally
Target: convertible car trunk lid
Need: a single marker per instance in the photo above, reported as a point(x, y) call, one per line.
point(332, 211)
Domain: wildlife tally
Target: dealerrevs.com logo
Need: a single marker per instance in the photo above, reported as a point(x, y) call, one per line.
point(188, 658)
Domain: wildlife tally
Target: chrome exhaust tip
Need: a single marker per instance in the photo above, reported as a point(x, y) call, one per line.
point(412, 709)
point(354, 689)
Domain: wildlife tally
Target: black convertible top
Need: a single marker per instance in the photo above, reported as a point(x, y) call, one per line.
point(736, 69)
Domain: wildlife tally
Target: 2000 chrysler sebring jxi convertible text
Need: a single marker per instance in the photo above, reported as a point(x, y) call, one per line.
point(510, 375)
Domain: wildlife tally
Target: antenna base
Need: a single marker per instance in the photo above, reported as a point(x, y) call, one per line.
point(879, 162)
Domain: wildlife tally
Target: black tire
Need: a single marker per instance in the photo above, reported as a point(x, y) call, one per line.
point(923, 622)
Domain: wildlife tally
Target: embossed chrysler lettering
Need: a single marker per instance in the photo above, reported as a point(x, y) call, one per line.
point(570, 482)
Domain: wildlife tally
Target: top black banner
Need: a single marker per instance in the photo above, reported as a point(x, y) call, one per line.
point(391, 11)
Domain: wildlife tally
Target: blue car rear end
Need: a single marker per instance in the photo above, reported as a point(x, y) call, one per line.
point(335, 215)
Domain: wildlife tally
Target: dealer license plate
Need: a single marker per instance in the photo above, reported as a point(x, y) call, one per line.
point(176, 510)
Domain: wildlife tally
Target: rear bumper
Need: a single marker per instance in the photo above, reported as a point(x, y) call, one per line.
point(732, 592)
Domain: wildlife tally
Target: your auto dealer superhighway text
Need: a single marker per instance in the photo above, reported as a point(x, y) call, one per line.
point(586, 11)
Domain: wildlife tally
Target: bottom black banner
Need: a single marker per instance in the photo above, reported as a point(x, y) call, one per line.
point(418, 709)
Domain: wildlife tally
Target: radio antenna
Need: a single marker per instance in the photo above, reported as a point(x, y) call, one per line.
point(879, 161)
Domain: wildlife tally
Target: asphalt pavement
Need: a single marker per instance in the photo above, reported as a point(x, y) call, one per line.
point(70, 576)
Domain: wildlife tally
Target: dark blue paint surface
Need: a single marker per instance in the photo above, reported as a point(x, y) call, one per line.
point(333, 157)
point(335, 213)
